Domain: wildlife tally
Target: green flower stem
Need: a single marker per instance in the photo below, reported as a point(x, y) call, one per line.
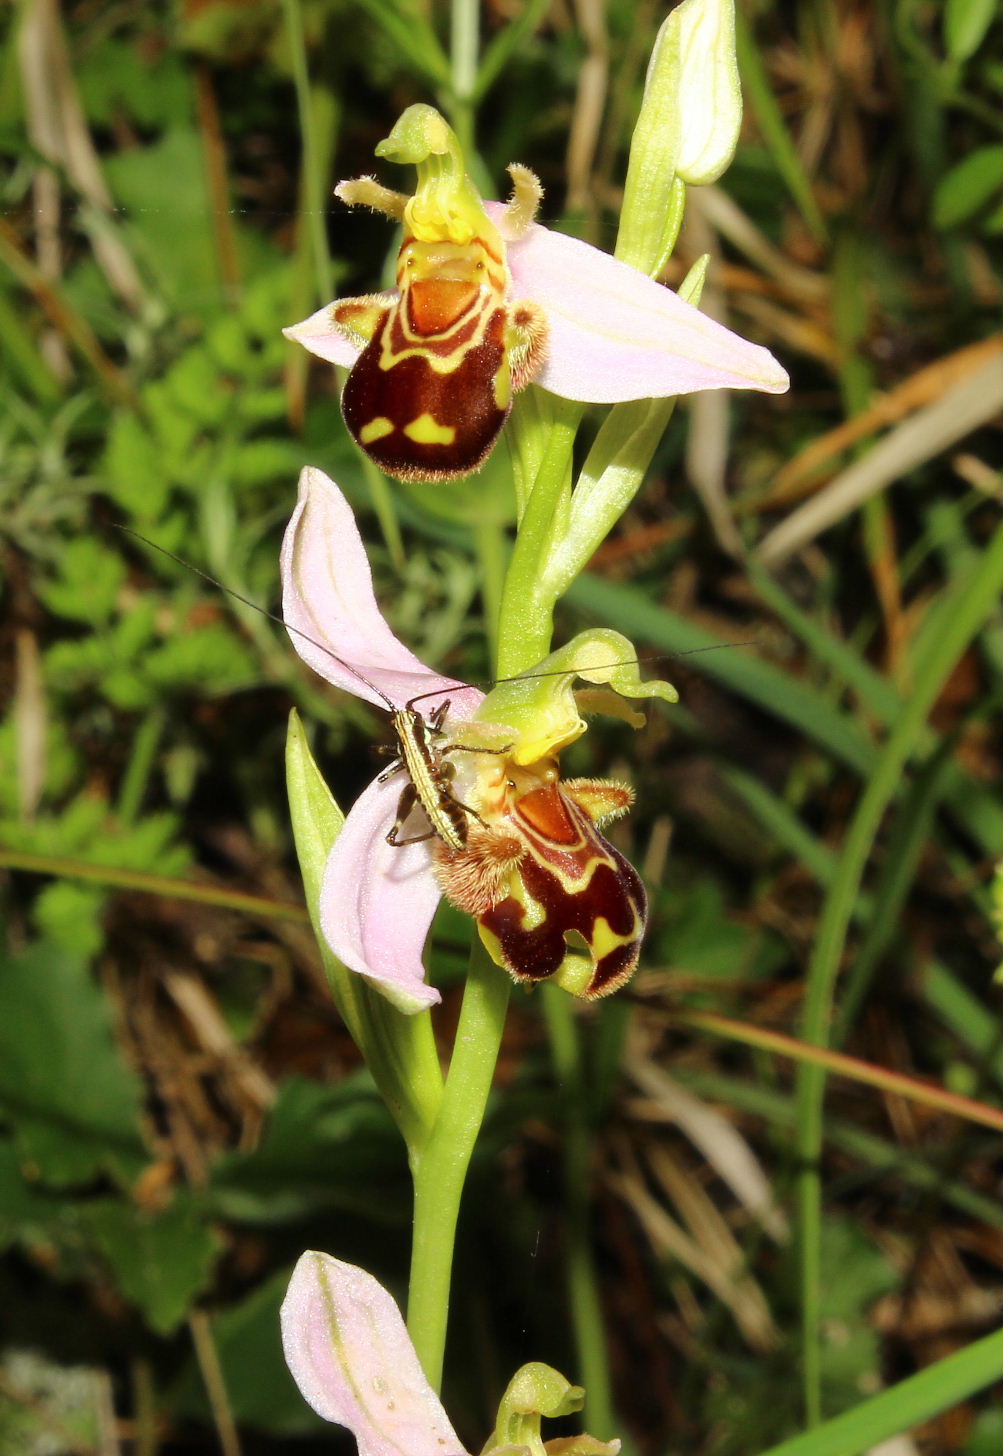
point(492, 548)
point(464, 46)
point(609, 480)
point(583, 1283)
point(961, 613)
point(526, 618)
point(399, 1050)
point(440, 1166)
point(313, 180)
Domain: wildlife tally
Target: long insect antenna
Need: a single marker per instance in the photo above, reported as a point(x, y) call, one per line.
point(597, 667)
point(272, 616)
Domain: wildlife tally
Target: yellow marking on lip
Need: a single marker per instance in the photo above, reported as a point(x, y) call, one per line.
point(375, 430)
point(426, 430)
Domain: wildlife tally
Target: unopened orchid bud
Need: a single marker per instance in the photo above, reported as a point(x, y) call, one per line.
point(687, 128)
point(710, 96)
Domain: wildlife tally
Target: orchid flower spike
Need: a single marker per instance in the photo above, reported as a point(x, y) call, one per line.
point(494, 826)
point(487, 301)
point(349, 1352)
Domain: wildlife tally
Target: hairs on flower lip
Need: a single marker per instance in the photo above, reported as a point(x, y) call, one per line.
point(650, 658)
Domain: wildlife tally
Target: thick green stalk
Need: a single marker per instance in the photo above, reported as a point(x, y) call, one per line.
point(583, 1282)
point(440, 1167)
point(526, 620)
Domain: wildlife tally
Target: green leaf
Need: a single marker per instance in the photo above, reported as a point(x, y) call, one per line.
point(965, 25)
point(904, 1406)
point(88, 584)
point(135, 475)
point(161, 1262)
point(120, 78)
point(324, 1147)
point(73, 1103)
point(399, 1050)
point(70, 916)
point(50, 1398)
point(986, 1435)
point(170, 227)
point(968, 185)
point(28, 1212)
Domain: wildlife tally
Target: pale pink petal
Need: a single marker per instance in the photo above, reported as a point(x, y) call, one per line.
point(332, 615)
point(322, 337)
point(377, 900)
point(615, 334)
point(350, 1354)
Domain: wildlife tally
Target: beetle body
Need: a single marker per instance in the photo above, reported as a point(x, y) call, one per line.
point(429, 774)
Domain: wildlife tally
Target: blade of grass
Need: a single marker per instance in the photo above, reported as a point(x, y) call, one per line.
point(507, 42)
point(963, 609)
point(976, 808)
point(412, 36)
point(974, 1026)
point(628, 609)
point(879, 1156)
point(314, 203)
point(903, 1406)
point(759, 91)
point(171, 889)
point(905, 844)
point(822, 1060)
point(20, 348)
point(970, 1021)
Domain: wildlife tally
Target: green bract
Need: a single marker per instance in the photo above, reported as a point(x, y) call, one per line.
point(541, 706)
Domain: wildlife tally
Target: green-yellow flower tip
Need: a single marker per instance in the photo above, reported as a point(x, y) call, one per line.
point(540, 706)
point(446, 206)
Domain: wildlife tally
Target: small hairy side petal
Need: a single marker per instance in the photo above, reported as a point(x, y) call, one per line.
point(321, 336)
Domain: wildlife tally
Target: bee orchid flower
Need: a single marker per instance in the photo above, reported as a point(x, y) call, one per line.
point(487, 301)
point(477, 810)
point(349, 1352)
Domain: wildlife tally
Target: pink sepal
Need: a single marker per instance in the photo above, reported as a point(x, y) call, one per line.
point(331, 611)
point(615, 334)
point(350, 1354)
point(377, 900)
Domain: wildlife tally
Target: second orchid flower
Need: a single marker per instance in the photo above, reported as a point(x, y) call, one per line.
point(551, 896)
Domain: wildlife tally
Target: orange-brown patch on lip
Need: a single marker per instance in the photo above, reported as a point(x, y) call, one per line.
point(436, 303)
point(544, 810)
